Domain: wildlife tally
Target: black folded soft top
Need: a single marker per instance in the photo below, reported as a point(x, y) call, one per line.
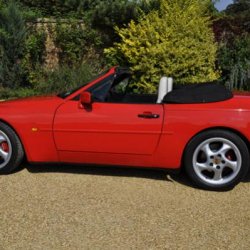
point(198, 93)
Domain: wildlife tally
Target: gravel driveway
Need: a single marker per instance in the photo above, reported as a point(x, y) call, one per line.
point(63, 207)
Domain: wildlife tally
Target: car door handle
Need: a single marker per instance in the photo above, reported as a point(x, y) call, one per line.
point(148, 115)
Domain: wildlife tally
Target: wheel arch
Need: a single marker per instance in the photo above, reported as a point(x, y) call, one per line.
point(8, 124)
point(235, 131)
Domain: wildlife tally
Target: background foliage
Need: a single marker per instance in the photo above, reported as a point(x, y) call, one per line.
point(12, 36)
point(85, 28)
point(177, 40)
point(232, 32)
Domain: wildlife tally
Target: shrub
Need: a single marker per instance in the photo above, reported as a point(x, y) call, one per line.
point(62, 79)
point(12, 39)
point(234, 62)
point(7, 93)
point(175, 41)
point(34, 54)
point(74, 40)
point(51, 82)
point(232, 32)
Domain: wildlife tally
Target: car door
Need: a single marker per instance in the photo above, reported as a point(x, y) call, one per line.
point(107, 128)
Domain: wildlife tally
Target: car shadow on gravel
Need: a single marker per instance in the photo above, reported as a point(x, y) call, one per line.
point(115, 171)
point(183, 179)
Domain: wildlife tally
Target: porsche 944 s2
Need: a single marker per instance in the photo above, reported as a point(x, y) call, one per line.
point(202, 128)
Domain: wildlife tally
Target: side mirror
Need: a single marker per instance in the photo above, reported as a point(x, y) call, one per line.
point(86, 99)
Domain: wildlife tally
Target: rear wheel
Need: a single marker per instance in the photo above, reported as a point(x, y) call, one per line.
point(216, 159)
point(11, 150)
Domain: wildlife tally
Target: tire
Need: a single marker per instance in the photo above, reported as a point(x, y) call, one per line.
point(216, 160)
point(11, 149)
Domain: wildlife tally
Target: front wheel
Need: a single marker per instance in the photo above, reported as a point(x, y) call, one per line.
point(11, 150)
point(216, 159)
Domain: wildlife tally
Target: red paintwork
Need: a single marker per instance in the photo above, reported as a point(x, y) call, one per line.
point(53, 129)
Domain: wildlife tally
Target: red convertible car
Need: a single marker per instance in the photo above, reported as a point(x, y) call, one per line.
point(202, 128)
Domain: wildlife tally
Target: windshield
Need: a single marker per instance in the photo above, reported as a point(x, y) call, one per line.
point(67, 93)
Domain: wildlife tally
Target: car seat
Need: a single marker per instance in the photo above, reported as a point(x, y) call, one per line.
point(165, 86)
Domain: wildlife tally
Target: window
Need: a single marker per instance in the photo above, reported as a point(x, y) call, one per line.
point(101, 89)
point(119, 89)
point(123, 90)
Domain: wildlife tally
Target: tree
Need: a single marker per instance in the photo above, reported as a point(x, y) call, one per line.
point(233, 58)
point(101, 15)
point(176, 41)
point(51, 7)
point(108, 10)
point(239, 7)
point(232, 33)
point(12, 39)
